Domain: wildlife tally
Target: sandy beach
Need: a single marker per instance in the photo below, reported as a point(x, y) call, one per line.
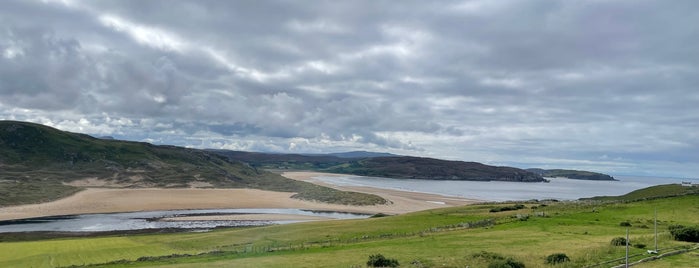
point(106, 200)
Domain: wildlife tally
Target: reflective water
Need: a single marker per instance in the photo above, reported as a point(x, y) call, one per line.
point(558, 188)
point(148, 220)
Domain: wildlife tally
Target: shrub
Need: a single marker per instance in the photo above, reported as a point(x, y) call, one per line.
point(488, 255)
point(625, 223)
point(508, 208)
point(557, 258)
point(379, 260)
point(684, 233)
point(507, 263)
point(639, 246)
point(618, 241)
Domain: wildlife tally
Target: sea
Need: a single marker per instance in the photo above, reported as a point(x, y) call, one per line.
point(556, 188)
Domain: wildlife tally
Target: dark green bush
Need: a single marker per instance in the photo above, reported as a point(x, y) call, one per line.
point(507, 263)
point(684, 233)
point(379, 260)
point(497, 260)
point(639, 246)
point(557, 258)
point(488, 255)
point(508, 208)
point(625, 223)
point(618, 241)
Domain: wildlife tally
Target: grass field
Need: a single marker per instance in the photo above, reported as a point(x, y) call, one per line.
point(452, 237)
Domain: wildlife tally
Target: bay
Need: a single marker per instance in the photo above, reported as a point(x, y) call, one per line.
point(557, 188)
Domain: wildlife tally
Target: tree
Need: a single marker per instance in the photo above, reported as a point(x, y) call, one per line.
point(684, 233)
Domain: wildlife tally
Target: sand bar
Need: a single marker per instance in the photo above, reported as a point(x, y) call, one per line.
point(106, 200)
point(402, 201)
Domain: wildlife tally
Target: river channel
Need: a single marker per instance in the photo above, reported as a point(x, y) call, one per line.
point(154, 220)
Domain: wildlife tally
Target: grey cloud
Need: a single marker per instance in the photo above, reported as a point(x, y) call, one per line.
point(495, 81)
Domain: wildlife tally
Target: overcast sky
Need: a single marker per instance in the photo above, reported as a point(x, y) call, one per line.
point(608, 86)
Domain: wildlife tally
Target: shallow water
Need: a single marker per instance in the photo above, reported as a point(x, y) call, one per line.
point(148, 220)
point(558, 188)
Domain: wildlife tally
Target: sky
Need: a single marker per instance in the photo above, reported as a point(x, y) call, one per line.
point(607, 86)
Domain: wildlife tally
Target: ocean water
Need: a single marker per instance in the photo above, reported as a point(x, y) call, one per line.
point(558, 188)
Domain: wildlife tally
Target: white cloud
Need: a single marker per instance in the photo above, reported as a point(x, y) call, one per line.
point(149, 36)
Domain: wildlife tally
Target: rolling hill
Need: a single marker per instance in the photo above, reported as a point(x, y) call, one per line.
point(408, 167)
point(37, 163)
point(572, 174)
point(390, 166)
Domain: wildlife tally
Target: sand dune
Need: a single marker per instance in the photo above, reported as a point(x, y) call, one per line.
point(105, 200)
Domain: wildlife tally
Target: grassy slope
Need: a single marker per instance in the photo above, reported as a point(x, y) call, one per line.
point(582, 230)
point(657, 191)
point(36, 160)
point(408, 167)
point(572, 174)
point(404, 167)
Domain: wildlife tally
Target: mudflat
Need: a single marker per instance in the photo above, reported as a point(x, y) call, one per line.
point(108, 200)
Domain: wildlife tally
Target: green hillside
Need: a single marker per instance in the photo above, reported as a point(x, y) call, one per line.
point(652, 192)
point(469, 236)
point(407, 167)
point(572, 174)
point(36, 161)
point(389, 166)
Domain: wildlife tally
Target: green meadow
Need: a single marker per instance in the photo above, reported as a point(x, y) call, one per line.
point(470, 236)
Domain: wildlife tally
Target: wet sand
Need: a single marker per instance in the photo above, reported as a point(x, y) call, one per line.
point(106, 200)
point(249, 217)
point(402, 201)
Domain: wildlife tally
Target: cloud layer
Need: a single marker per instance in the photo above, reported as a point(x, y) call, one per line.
point(609, 86)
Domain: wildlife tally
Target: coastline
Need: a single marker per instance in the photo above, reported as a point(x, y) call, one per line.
point(111, 200)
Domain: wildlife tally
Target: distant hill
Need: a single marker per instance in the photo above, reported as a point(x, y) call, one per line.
point(361, 154)
point(408, 167)
point(399, 167)
point(283, 161)
point(38, 163)
point(572, 174)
